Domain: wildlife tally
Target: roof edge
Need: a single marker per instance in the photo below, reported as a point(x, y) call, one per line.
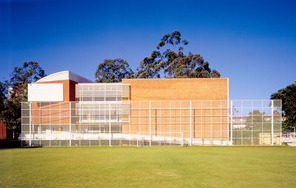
point(64, 75)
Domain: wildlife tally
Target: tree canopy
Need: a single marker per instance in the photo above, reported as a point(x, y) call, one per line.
point(20, 77)
point(17, 92)
point(170, 61)
point(3, 91)
point(288, 97)
point(113, 70)
point(167, 60)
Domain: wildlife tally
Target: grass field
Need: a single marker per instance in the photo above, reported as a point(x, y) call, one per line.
point(149, 167)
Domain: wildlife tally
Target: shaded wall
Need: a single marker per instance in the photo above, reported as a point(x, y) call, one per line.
point(2, 131)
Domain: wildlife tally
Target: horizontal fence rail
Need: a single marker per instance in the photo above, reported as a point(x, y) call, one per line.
point(152, 123)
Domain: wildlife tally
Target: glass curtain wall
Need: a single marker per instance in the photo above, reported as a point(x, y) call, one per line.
point(151, 123)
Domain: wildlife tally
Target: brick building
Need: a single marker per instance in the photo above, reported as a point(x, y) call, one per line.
point(65, 109)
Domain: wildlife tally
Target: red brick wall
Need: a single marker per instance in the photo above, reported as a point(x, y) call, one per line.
point(178, 89)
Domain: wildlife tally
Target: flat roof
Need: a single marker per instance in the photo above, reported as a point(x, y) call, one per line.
point(102, 84)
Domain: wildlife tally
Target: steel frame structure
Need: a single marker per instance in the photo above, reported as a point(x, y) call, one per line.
point(152, 123)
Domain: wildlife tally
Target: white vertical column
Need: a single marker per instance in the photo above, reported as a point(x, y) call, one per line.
point(221, 129)
point(182, 139)
point(252, 123)
point(50, 127)
point(30, 124)
point(170, 122)
point(129, 121)
point(70, 130)
point(139, 118)
point(262, 138)
point(201, 125)
point(181, 130)
point(190, 125)
point(160, 117)
point(59, 126)
point(231, 113)
point(109, 124)
point(228, 123)
point(150, 123)
point(212, 131)
point(105, 91)
point(138, 139)
point(242, 115)
point(280, 128)
point(271, 122)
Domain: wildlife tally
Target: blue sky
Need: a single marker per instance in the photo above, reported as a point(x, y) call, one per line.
point(253, 43)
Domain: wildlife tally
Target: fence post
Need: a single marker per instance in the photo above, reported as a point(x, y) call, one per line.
point(109, 124)
point(190, 126)
point(231, 113)
point(30, 124)
point(150, 123)
point(70, 128)
point(182, 139)
point(272, 122)
point(137, 139)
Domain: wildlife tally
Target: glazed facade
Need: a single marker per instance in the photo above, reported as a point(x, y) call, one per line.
point(146, 112)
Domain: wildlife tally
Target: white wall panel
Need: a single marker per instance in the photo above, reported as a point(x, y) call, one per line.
point(45, 92)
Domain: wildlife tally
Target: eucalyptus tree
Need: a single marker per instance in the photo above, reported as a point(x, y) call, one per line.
point(16, 89)
point(288, 97)
point(169, 60)
point(113, 70)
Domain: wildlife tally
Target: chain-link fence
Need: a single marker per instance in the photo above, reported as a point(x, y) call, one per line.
point(152, 123)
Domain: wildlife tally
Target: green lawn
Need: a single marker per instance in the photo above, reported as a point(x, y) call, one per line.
point(149, 167)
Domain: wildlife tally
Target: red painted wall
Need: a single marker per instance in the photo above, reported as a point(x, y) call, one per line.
point(56, 112)
point(2, 131)
point(69, 88)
